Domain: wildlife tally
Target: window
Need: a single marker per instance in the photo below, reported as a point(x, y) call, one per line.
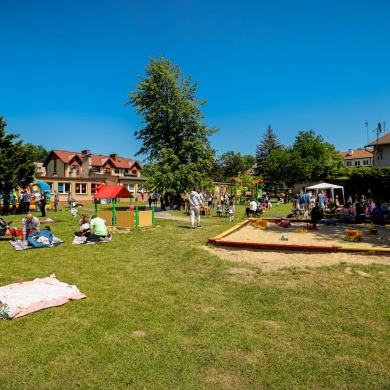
point(81, 188)
point(130, 187)
point(357, 163)
point(134, 171)
point(63, 188)
point(75, 168)
point(116, 170)
point(107, 171)
point(126, 170)
point(96, 169)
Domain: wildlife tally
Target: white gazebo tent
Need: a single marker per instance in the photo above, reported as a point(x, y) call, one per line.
point(327, 186)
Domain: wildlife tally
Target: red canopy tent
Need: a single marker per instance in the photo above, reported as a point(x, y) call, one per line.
point(112, 192)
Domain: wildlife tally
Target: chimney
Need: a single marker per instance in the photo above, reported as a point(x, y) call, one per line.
point(350, 152)
point(85, 152)
point(86, 165)
point(114, 156)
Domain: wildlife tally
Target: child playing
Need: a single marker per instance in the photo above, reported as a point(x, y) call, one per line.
point(219, 210)
point(231, 210)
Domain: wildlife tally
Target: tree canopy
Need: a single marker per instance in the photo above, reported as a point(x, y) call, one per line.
point(309, 159)
point(175, 140)
point(231, 164)
point(37, 153)
point(16, 166)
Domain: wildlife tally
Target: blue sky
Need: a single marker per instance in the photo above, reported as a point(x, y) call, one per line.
point(66, 69)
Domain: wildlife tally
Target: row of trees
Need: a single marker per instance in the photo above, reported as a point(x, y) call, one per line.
point(175, 140)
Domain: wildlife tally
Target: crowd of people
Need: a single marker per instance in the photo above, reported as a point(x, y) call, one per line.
point(25, 200)
point(362, 209)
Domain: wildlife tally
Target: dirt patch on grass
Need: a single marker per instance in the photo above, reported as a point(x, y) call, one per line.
point(270, 260)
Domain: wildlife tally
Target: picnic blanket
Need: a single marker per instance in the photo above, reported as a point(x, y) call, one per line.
point(22, 245)
point(23, 298)
point(83, 240)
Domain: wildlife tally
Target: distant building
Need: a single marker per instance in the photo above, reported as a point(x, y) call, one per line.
point(81, 172)
point(40, 170)
point(357, 158)
point(381, 151)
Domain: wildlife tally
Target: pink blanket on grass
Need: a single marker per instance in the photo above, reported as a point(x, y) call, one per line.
point(19, 299)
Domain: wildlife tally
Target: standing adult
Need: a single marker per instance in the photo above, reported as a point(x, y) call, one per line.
point(37, 200)
point(26, 201)
point(56, 201)
point(301, 201)
point(70, 199)
point(43, 204)
point(155, 197)
point(21, 205)
point(195, 203)
point(5, 203)
point(30, 224)
point(316, 214)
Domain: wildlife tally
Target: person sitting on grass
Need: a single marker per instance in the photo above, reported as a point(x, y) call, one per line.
point(345, 213)
point(98, 229)
point(296, 209)
point(377, 214)
point(331, 207)
point(316, 214)
point(360, 214)
point(41, 239)
point(85, 228)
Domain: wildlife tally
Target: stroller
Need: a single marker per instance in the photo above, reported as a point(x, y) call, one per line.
point(7, 230)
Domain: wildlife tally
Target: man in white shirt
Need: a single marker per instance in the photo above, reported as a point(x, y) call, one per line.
point(195, 203)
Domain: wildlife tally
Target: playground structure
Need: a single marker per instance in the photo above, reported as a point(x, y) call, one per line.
point(131, 218)
point(278, 245)
point(33, 188)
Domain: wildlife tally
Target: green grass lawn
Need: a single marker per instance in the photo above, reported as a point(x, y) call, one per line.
point(163, 313)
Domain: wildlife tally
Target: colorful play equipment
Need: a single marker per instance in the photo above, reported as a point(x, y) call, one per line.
point(259, 223)
point(35, 187)
point(131, 218)
point(353, 235)
point(371, 229)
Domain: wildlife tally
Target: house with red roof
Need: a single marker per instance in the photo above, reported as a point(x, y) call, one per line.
point(358, 158)
point(81, 172)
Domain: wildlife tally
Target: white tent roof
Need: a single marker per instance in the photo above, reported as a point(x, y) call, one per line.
point(327, 186)
point(323, 186)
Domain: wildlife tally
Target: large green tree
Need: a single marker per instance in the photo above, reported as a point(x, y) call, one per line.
point(309, 159)
point(175, 139)
point(16, 166)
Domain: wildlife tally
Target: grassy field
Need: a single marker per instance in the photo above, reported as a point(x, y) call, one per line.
point(163, 313)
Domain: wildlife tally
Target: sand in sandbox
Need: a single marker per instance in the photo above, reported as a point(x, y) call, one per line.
point(325, 236)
